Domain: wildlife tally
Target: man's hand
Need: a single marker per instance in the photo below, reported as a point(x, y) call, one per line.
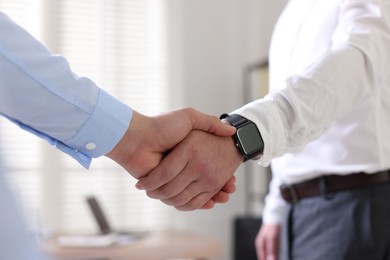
point(267, 242)
point(194, 171)
point(223, 195)
point(149, 139)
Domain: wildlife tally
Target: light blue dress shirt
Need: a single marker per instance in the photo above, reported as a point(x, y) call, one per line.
point(40, 93)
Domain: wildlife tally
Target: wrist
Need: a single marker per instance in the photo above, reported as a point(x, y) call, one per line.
point(132, 141)
point(247, 137)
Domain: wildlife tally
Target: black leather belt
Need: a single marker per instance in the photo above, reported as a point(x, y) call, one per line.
point(331, 183)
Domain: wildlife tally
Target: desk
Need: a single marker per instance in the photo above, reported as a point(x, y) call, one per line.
point(161, 245)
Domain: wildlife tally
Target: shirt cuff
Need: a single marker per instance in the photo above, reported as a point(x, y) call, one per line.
point(98, 136)
point(83, 159)
point(104, 128)
point(274, 215)
point(265, 115)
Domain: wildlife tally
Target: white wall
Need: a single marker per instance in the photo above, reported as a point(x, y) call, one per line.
point(211, 42)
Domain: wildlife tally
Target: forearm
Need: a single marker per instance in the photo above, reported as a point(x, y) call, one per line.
point(40, 92)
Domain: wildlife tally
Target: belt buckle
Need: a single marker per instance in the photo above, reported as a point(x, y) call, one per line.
point(293, 193)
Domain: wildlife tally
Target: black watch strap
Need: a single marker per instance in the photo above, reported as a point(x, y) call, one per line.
point(234, 119)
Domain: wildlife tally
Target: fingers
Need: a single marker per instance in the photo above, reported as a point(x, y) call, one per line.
point(199, 168)
point(230, 186)
point(269, 252)
point(195, 203)
point(223, 195)
point(209, 205)
point(194, 196)
point(204, 198)
point(208, 123)
point(261, 246)
point(169, 168)
point(267, 242)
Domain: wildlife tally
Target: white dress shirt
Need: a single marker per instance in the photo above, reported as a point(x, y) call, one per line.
point(327, 111)
point(40, 93)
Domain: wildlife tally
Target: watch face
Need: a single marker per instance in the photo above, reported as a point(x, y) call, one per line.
point(250, 139)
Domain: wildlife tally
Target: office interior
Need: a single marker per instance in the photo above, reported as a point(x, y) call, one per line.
point(154, 55)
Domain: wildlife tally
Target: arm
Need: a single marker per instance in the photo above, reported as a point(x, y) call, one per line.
point(147, 140)
point(342, 78)
point(268, 239)
point(346, 75)
point(41, 94)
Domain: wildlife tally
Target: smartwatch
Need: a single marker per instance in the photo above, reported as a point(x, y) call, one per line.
point(247, 138)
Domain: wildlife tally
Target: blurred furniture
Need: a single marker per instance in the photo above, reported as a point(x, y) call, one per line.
point(161, 245)
point(245, 231)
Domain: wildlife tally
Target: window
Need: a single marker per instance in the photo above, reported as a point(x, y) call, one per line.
point(121, 45)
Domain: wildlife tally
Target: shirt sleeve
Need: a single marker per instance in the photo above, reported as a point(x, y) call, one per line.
point(39, 92)
point(329, 88)
point(349, 73)
point(274, 209)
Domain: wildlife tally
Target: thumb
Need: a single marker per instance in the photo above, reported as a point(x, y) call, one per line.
point(209, 123)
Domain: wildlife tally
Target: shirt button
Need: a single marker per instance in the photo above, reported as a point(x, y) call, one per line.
point(90, 146)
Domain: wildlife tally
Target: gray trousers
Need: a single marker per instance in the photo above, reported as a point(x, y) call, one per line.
point(347, 225)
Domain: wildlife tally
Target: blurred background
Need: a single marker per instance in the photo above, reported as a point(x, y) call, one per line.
point(154, 55)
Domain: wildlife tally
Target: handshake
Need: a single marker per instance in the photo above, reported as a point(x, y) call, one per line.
point(184, 158)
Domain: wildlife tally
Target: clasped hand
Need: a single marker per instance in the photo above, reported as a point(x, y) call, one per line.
point(184, 158)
